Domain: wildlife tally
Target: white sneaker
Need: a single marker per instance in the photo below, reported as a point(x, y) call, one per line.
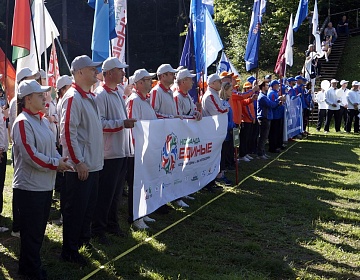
point(244, 158)
point(189, 197)
point(140, 224)
point(249, 157)
point(148, 219)
point(268, 157)
point(15, 234)
point(3, 229)
point(262, 157)
point(181, 203)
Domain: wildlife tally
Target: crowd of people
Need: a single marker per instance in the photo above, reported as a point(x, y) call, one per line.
point(80, 141)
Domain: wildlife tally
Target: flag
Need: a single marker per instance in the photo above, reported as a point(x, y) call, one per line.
point(301, 14)
point(188, 58)
point(20, 39)
point(280, 63)
point(197, 17)
point(118, 43)
point(253, 42)
point(213, 41)
point(103, 28)
point(289, 57)
point(53, 67)
point(226, 65)
point(44, 34)
point(9, 79)
point(315, 24)
point(209, 5)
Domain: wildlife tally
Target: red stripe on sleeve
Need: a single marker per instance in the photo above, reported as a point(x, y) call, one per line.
point(177, 104)
point(30, 151)
point(130, 107)
point(67, 132)
point(153, 99)
point(216, 105)
point(113, 129)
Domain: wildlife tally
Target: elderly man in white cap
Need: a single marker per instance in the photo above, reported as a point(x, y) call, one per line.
point(184, 103)
point(341, 94)
point(353, 101)
point(161, 96)
point(211, 102)
point(333, 102)
point(116, 135)
point(139, 108)
point(80, 128)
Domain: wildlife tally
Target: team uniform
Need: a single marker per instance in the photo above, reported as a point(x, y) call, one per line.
point(341, 94)
point(331, 98)
point(276, 129)
point(184, 104)
point(162, 100)
point(353, 96)
point(322, 106)
point(211, 103)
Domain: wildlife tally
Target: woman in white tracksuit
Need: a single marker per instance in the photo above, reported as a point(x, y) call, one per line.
point(35, 164)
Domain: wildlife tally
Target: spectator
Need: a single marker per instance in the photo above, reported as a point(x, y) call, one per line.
point(343, 26)
point(322, 106)
point(353, 99)
point(333, 103)
point(326, 47)
point(342, 93)
point(331, 32)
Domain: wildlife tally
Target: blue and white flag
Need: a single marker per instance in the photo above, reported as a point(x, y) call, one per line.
point(213, 41)
point(226, 65)
point(253, 42)
point(301, 14)
point(209, 5)
point(103, 28)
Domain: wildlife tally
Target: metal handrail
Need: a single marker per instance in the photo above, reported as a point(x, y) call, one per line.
point(344, 12)
point(357, 15)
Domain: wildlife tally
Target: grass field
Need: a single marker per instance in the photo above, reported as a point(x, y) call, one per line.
point(296, 216)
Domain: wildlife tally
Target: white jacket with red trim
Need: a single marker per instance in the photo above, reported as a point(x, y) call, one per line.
point(81, 129)
point(35, 156)
point(4, 141)
point(112, 110)
point(139, 108)
point(162, 101)
point(211, 103)
point(184, 104)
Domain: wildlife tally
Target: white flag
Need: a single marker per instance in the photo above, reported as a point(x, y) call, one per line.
point(289, 57)
point(213, 41)
point(118, 43)
point(226, 65)
point(315, 24)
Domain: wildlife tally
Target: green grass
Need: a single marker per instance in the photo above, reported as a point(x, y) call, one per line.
point(349, 66)
point(296, 218)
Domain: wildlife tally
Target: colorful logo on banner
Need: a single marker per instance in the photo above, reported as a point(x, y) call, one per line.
point(169, 153)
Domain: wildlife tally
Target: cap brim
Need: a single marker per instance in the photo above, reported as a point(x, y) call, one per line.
point(44, 89)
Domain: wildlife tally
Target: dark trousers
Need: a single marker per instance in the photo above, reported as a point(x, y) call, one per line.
point(351, 114)
point(343, 115)
point(321, 117)
point(245, 137)
point(274, 132)
point(34, 210)
point(329, 115)
point(254, 137)
point(80, 200)
point(306, 114)
point(281, 133)
point(264, 128)
point(111, 186)
point(130, 182)
point(227, 154)
point(15, 204)
point(2, 179)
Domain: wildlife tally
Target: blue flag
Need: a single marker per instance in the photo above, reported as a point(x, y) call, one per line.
point(301, 14)
point(103, 28)
point(197, 17)
point(188, 58)
point(253, 42)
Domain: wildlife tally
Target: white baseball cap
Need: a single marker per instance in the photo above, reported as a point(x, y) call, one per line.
point(164, 68)
point(83, 61)
point(62, 81)
point(355, 83)
point(43, 74)
point(27, 87)
point(334, 81)
point(184, 73)
point(131, 80)
point(343, 82)
point(26, 72)
point(212, 78)
point(111, 63)
point(142, 73)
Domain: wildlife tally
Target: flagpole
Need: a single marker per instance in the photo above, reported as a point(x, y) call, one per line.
point(33, 30)
point(62, 52)
point(45, 52)
point(6, 47)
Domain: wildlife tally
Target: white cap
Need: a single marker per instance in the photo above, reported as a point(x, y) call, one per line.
point(43, 74)
point(1, 76)
point(212, 78)
point(26, 72)
point(355, 83)
point(131, 80)
point(184, 73)
point(83, 61)
point(334, 81)
point(111, 63)
point(343, 82)
point(62, 81)
point(164, 68)
point(142, 73)
point(27, 87)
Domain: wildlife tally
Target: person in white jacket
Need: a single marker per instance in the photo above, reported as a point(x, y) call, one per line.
point(333, 109)
point(36, 161)
point(353, 100)
point(341, 94)
point(116, 137)
point(322, 106)
point(80, 132)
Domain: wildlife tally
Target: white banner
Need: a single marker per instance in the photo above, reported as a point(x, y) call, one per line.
point(174, 158)
point(118, 43)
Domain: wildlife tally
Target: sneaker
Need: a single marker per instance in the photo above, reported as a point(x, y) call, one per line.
point(148, 219)
point(262, 157)
point(74, 257)
point(140, 224)
point(249, 157)
point(224, 181)
point(268, 157)
point(181, 203)
point(3, 229)
point(189, 197)
point(15, 234)
point(244, 158)
point(326, 132)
